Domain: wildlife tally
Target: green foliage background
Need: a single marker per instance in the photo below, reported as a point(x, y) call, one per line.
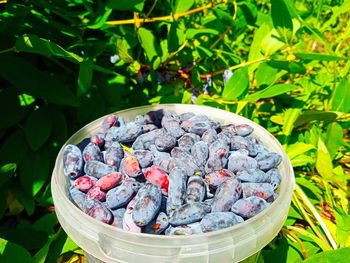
point(290, 63)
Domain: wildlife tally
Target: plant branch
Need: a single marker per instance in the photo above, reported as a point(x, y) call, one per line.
point(294, 238)
point(241, 65)
point(316, 215)
point(162, 18)
point(324, 246)
point(7, 50)
point(307, 218)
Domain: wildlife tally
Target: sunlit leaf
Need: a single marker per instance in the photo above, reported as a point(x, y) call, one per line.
point(324, 164)
point(11, 252)
point(34, 44)
point(34, 171)
point(290, 116)
point(270, 92)
point(136, 5)
point(35, 82)
point(334, 138)
point(149, 43)
point(298, 148)
point(236, 85)
point(319, 56)
point(6, 171)
point(340, 256)
point(341, 97)
point(281, 19)
point(181, 6)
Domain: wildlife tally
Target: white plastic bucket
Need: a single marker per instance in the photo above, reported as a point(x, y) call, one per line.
point(106, 243)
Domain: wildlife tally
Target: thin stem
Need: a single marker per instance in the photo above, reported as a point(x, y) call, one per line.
point(324, 246)
point(241, 65)
point(162, 18)
point(308, 219)
point(172, 54)
point(151, 9)
point(7, 50)
point(294, 238)
point(316, 215)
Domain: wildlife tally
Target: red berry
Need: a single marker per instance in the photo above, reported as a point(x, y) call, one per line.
point(158, 177)
point(84, 183)
point(96, 193)
point(109, 181)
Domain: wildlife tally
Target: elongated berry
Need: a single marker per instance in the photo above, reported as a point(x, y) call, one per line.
point(219, 220)
point(72, 161)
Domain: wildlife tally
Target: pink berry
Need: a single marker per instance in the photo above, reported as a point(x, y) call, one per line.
point(109, 181)
point(96, 193)
point(84, 183)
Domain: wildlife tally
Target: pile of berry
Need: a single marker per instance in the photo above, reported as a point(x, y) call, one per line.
point(171, 174)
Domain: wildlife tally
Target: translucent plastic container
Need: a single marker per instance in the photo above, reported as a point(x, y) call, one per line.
point(105, 243)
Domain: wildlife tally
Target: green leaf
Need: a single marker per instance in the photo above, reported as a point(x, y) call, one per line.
point(224, 17)
point(236, 85)
point(34, 171)
point(46, 223)
point(10, 103)
point(14, 149)
point(265, 75)
point(281, 19)
point(302, 160)
point(343, 229)
point(38, 128)
point(334, 138)
point(309, 185)
point(37, 238)
point(101, 20)
point(60, 129)
point(340, 255)
point(292, 67)
point(69, 245)
point(319, 56)
point(181, 6)
point(122, 50)
point(41, 255)
point(6, 171)
point(255, 51)
point(191, 33)
point(11, 252)
point(298, 148)
point(34, 44)
point(341, 97)
point(34, 82)
point(269, 92)
point(85, 77)
point(149, 43)
point(312, 115)
point(290, 116)
point(132, 5)
point(324, 164)
point(204, 52)
point(176, 36)
point(24, 199)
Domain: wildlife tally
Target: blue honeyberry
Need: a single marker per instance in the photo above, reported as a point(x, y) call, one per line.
point(219, 220)
point(72, 161)
point(189, 213)
point(249, 207)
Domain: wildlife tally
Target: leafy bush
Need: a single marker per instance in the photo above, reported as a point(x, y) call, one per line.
point(65, 63)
